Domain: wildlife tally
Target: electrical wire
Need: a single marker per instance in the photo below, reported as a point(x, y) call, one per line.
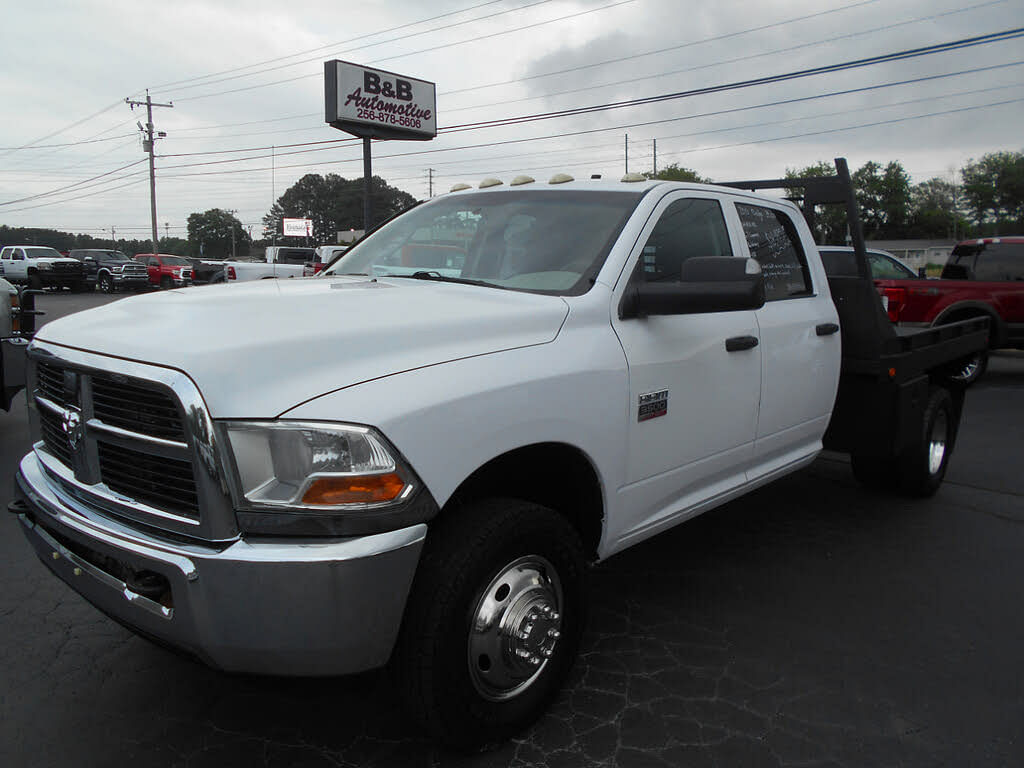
point(476, 39)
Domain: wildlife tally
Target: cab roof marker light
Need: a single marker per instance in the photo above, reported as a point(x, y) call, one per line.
point(631, 177)
point(520, 180)
point(460, 187)
point(490, 183)
point(560, 178)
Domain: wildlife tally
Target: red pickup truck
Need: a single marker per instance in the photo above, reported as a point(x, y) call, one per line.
point(165, 270)
point(983, 278)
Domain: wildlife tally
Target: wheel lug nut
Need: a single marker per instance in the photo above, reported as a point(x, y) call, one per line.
point(547, 653)
point(554, 634)
point(555, 616)
point(532, 616)
point(535, 660)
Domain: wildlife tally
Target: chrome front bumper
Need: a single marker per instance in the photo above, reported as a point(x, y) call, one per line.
point(267, 606)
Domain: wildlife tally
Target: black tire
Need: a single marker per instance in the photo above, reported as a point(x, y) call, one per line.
point(969, 371)
point(105, 283)
point(460, 692)
point(35, 282)
point(924, 465)
point(166, 283)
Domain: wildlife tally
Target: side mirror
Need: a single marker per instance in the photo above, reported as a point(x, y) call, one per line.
point(707, 284)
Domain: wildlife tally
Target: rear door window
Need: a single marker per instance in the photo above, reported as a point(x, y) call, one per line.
point(774, 241)
point(1000, 262)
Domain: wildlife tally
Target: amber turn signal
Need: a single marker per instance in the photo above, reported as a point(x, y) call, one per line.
point(358, 489)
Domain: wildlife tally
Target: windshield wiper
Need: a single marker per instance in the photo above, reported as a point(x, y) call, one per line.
point(433, 274)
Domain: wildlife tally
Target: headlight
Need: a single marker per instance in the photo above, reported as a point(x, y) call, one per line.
point(176, 272)
point(315, 466)
point(44, 266)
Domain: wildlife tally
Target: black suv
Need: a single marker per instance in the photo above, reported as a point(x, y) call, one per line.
point(111, 270)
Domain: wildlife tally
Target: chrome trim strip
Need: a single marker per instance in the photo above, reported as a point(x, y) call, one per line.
point(50, 405)
point(101, 491)
point(42, 494)
point(81, 565)
point(127, 433)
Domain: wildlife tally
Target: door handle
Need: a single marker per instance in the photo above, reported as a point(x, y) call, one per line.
point(738, 343)
point(826, 329)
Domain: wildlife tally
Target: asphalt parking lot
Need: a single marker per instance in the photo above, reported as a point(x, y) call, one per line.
point(812, 623)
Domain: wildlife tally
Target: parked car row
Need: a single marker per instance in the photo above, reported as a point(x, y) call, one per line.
point(983, 278)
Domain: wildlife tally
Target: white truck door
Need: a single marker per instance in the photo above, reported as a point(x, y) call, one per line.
point(17, 267)
point(692, 403)
point(799, 338)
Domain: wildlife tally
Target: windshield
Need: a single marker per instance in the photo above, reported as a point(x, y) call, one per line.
point(175, 261)
point(42, 253)
point(551, 241)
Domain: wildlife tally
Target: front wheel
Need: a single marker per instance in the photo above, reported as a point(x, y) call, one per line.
point(166, 283)
point(106, 284)
point(35, 282)
point(493, 622)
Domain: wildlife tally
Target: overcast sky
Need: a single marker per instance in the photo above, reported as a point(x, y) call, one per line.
point(248, 75)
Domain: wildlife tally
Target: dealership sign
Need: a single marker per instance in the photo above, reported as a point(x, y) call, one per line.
point(376, 104)
point(298, 227)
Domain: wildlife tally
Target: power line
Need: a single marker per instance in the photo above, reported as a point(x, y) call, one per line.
point(329, 45)
point(422, 50)
point(659, 75)
point(576, 111)
point(368, 45)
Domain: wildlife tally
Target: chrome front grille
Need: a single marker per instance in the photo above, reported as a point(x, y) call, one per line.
point(54, 437)
point(130, 440)
point(159, 481)
point(139, 408)
point(50, 384)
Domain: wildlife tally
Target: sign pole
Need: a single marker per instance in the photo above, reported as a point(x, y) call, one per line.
point(367, 186)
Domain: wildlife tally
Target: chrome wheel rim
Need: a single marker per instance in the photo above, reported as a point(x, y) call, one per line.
point(516, 625)
point(968, 370)
point(937, 442)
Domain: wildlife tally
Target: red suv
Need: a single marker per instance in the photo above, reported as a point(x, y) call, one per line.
point(167, 271)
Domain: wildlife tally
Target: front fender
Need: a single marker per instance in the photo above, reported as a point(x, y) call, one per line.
point(449, 420)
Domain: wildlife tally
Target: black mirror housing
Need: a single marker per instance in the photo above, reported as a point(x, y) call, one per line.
point(708, 284)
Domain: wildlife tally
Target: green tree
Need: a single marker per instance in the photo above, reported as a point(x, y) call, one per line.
point(883, 195)
point(334, 203)
point(675, 172)
point(994, 191)
point(935, 211)
point(210, 234)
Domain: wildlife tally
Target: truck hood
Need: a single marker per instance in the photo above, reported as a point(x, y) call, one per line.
point(56, 260)
point(256, 350)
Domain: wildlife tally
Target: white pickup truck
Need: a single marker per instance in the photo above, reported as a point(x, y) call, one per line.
point(495, 389)
point(279, 262)
point(40, 267)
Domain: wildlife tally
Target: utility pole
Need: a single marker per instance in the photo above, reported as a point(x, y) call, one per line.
point(627, 153)
point(148, 144)
point(655, 158)
point(430, 183)
point(113, 241)
point(167, 235)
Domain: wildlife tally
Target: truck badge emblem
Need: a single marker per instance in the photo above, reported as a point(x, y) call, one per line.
point(652, 404)
point(71, 424)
